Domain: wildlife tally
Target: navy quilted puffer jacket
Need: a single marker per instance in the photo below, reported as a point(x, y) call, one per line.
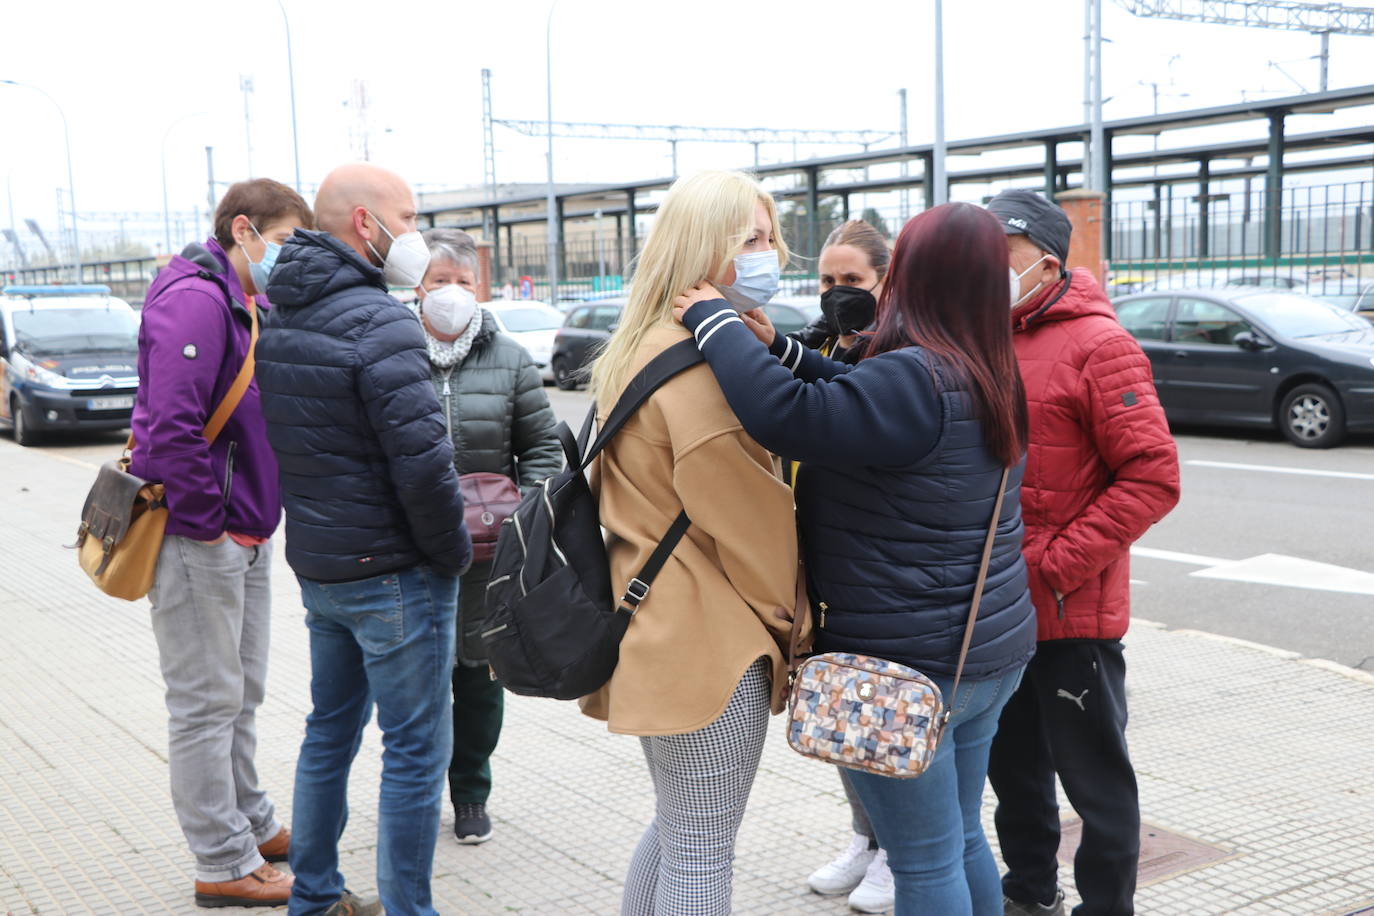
point(894, 497)
point(366, 462)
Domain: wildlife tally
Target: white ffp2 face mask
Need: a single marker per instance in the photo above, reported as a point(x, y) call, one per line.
point(757, 278)
point(406, 260)
point(1016, 297)
point(449, 309)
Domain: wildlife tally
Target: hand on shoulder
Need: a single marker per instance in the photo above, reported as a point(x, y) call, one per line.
point(702, 292)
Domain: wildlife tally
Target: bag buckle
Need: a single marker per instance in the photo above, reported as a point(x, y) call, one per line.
point(635, 593)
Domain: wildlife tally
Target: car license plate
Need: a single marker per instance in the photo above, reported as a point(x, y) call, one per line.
point(123, 402)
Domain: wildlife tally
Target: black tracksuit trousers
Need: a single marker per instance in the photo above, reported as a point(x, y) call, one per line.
point(1068, 717)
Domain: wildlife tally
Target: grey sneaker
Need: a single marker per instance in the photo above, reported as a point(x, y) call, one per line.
point(352, 905)
point(1017, 908)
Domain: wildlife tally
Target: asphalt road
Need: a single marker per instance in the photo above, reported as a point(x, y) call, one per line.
point(1246, 497)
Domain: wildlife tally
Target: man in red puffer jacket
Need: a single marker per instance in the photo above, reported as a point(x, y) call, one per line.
point(1101, 468)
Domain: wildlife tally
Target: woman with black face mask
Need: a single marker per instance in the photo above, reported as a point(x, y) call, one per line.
point(852, 265)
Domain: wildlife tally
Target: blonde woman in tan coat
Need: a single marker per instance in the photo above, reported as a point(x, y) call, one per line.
point(702, 665)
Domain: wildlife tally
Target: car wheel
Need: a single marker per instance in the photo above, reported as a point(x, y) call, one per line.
point(23, 432)
point(563, 376)
point(1312, 416)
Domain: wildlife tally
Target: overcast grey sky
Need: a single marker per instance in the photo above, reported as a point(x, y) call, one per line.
point(125, 72)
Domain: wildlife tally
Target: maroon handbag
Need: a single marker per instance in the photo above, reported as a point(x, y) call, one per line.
point(488, 500)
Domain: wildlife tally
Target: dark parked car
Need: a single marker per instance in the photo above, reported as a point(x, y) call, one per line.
point(1360, 301)
point(589, 326)
point(788, 317)
point(584, 332)
point(1257, 357)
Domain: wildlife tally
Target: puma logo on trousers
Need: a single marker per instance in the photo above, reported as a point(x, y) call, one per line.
point(1076, 699)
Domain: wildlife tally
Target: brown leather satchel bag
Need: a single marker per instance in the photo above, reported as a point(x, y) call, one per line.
point(488, 500)
point(123, 520)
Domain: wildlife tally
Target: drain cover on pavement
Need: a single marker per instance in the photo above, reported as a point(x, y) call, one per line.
point(1163, 854)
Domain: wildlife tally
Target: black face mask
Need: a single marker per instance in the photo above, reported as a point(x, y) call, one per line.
point(848, 308)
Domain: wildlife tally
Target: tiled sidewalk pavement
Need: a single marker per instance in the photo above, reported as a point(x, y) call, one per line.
point(1266, 757)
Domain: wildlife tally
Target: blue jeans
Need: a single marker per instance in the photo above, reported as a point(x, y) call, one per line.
point(388, 640)
point(930, 826)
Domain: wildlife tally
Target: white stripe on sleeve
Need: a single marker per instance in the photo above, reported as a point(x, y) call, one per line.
point(701, 328)
point(718, 325)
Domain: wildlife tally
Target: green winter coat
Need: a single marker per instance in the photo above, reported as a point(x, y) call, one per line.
point(500, 422)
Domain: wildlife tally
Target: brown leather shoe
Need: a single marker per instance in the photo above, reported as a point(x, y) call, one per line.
point(275, 849)
point(265, 886)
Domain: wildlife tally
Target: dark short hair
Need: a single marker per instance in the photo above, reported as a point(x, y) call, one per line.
point(263, 201)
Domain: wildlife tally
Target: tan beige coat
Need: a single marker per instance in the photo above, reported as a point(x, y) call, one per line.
point(713, 609)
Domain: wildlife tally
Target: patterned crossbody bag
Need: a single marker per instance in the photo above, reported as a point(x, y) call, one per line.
point(869, 714)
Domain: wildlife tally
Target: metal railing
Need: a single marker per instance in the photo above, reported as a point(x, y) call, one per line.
point(1319, 239)
point(127, 278)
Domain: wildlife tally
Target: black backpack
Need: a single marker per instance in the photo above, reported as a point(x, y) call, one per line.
point(554, 624)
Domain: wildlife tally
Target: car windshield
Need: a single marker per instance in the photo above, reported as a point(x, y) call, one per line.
point(58, 332)
point(1291, 315)
point(530, 320)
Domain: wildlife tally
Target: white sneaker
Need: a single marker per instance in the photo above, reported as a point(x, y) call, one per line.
point(843, 874)
point(875, 893)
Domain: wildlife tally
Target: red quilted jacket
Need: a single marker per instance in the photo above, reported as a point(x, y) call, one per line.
point(1101, 468)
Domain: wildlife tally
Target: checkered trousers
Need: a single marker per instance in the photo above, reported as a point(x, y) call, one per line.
point(682, 866)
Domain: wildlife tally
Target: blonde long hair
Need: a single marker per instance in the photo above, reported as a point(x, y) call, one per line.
point(704, 221)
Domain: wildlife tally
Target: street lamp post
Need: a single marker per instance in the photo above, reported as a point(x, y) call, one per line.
point(291, 86)
point(166, 211)
point(71, 185)
point(941, 191)
point(551, 213)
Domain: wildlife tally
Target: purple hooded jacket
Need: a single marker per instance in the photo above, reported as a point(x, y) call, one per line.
point(191, 345)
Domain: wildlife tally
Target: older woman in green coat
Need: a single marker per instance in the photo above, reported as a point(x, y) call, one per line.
point(500, 421)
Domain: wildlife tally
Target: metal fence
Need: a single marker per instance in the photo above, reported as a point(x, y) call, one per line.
point(127, 278)
point(594, 269)
point(1318, 238)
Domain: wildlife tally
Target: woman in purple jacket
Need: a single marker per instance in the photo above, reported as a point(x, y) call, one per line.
point(210, 597)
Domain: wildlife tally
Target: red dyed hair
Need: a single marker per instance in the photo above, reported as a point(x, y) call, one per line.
point(947, 291)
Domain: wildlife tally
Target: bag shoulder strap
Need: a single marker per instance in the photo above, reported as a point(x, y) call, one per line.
point(978, 586)
point(230, 402)
point(239, 388)
point(680, 356)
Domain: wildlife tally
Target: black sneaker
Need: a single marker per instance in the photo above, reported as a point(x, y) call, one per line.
point(472, 825)
point(1017, 908)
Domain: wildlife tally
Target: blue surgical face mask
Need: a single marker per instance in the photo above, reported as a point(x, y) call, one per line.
point(757, 277)
point(261, 270)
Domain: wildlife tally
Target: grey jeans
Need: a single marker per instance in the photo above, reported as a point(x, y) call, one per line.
point(211, 610)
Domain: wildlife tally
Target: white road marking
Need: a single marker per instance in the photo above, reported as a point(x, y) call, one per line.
point(1173, 557)
point(1271, 569)
point(1275, 569)
point(1275, 469)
